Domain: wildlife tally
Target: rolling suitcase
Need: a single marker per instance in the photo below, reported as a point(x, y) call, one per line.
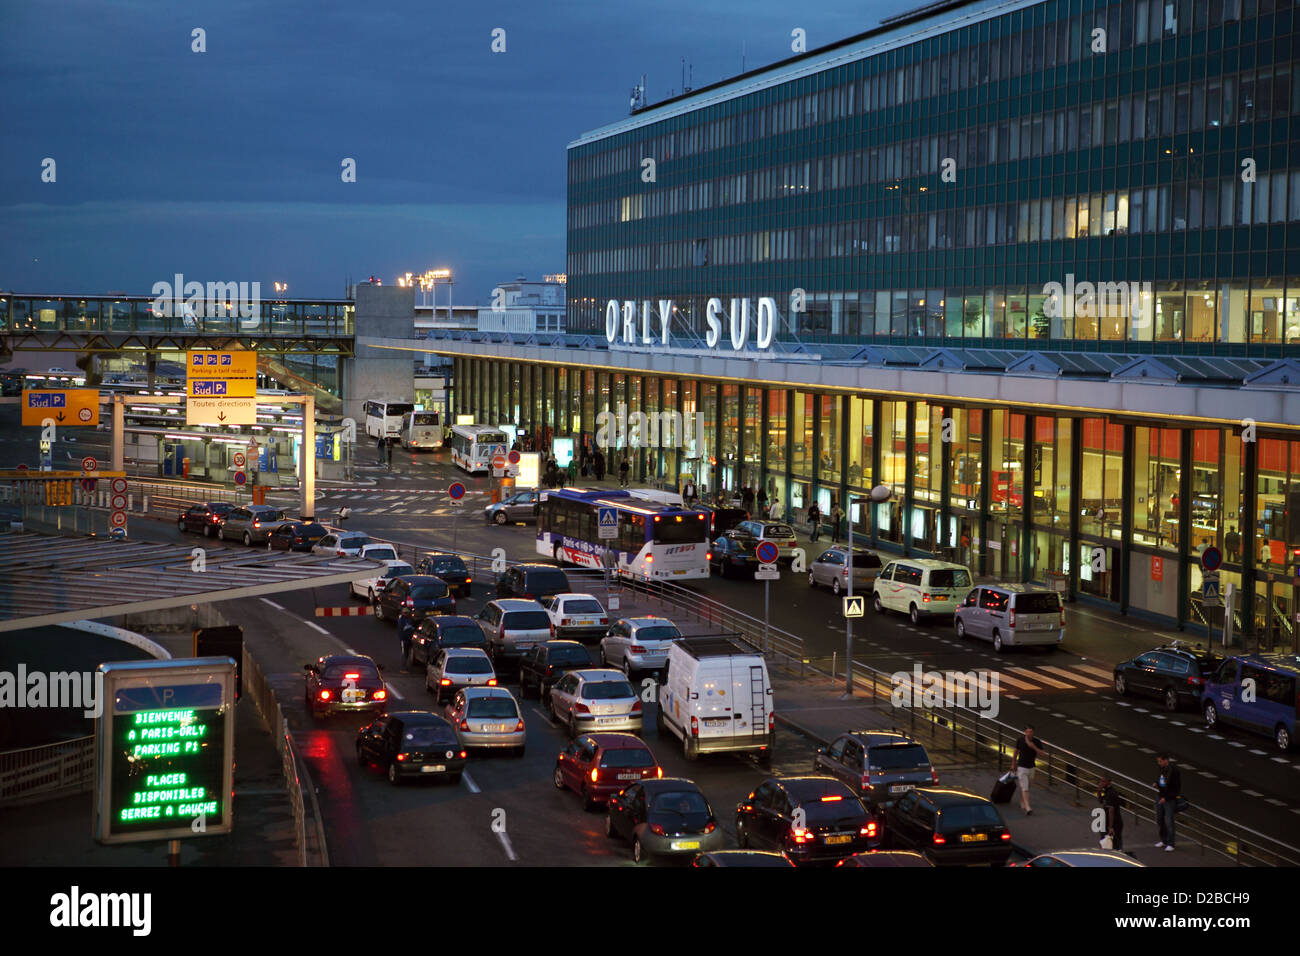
point(1004, 788)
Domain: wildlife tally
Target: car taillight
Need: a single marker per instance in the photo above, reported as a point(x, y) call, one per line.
point(581, 709)
point(595, 775)
point(401, 756)
point(771, 722)
point(649, 558)
point(708, 555)
point(925, 599)
point(1011, 618)
point(870, 830)
point(257, 524)
point(636, 706)
point(695, 726)
point(1006, 834)
point(656, 829)
point(529, 597)
point(802, 834)
point(445, 682)
point(409, 602)
point(324, 695)
point(552, 629)
point(519, 727)
point(380, 695)
point(934, 775)
point(846, 571)
point(492, 682)
point(710, 826)
point(604, 620)
point(1195, 681)
point(464, 725)
point(939, 839)
point(659, 772)
point(636, 649)
point(1062, 616)
point(501, 633)
point(463, 754)
point(866, 780)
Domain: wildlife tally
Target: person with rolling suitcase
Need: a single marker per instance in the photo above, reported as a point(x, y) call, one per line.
point(1004, 787)
point(1027, 752)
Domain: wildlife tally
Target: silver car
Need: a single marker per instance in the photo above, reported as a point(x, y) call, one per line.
point(341, 544)
point(250, 523)
point(487, 717)
point(830, 569)
point(512, 627)
point(455, 667)
point(638, 644)
point(590, 701)
point(1012, 615)
point(521, 506)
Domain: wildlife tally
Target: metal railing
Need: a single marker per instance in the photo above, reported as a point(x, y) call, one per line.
point(965, 732)
point(42, 772)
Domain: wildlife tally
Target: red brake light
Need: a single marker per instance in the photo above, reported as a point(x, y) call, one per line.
point(656, 829)
point(604, 620)
point(636, 649)
point(324, 695)
point(710, 826)
point(940, 839)
point(257, 524)
point(708, 555)
point(866, 780)
point(409, 602)
point(636, 707)
point(802, 835)
point(649, 558)
point(445, 682)
point(1011, 618)
point(1006, 834)
point(925, 599)
point(934, 775)
point(492, 682)
point(519, 727)
point(595, 774)
point(380, 695)
point(695, 726)
point(1062, 615)
point(351, 676)
point(581, 709)
point(870, 830)
point(659, 772)
point(832, 799)
point(464, 725)
point(401, 756)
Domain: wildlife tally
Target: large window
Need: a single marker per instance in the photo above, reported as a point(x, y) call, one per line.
point(828, 458)
point(1156, 470)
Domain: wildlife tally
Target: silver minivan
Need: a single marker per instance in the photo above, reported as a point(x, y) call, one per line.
point(250, 523)
point(831, 569)
point(512, 627)
point(1012, 615)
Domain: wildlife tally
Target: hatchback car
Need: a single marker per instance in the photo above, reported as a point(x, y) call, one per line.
point(450, 567)
point(546, 663)
point(1012, 615)
point(778, 532)
point(598, 766)
point(441, 630)
point(513, 627)
point(521, 506)
point(746, 858)
point(595, 700)
point(949, 827)
point(733, 553)
point(413, 596)
point(1176, 674)
point(575, 617)
point(1087, 858)
point(341, 544)
point(532, 582)
point(341, 683)
point(886, 858)
point(487, 718)
point(368, 588)
point(830, 569)
point(295, 536)
point(880, 765)
point(809, 819)
point(250, 523)
point(455, 667)
point(378, 552)
point(638, 644)
point(204, 519)
point(666, 817)
point(412, 743)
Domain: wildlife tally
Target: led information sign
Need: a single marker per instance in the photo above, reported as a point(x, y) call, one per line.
point(164, 755)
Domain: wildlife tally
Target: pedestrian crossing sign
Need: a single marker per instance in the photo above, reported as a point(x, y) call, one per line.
point(854, 606)
point(607, 522)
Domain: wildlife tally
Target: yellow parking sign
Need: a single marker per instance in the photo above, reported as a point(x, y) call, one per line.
point(66, 406)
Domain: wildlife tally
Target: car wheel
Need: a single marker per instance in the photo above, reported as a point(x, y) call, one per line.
point(556, 555)
point(410, 656)
point(573, 726)
point(207, 532)
point(997, 642)
point(914, 614)
point(1171, 699)
point(638, 854)
point(379, 611)
point(1282, 737)
point(960, 628)
point(1211, 716)
point(835, 587)
point(393, 777)
point(372, 598)
point(812, 581)
point(659, 720)
point(604, 661)
point(558, 778)
point(248, 539)
point(690, 749)
point(1121, 685)
point(609, 827)
point(523, 687)
point(499, 517)
point(180, 525)
point(880, 608)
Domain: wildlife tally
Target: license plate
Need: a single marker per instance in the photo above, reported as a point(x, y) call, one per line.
point(716, 721)
point(901, 788)
point(351, 695)
point(526, 647)
point(686, 844)
point(974, 837)
point(629, 776)
point(498, 728)
point(845, 838)
point(608, 720)
point(433, 768)
point(941, 597)
point(679, 572)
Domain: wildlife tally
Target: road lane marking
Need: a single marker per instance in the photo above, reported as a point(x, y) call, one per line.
point(1227, 783)
point(545, 717)
point(316, 627)
point(394, 691)
point(1109, 675)
point(1078, 678)
point(1027, 674)
point(505, 843)
point(469, 782)
point(278, 607)
point(1252, 793)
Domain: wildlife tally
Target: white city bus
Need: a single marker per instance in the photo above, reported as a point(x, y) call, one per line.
point(472, 446)
point(384, 419)
point(421, 430)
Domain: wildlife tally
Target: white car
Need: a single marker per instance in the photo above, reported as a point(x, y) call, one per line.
point(576, 616)
point(368, 588)
point(378, 552)
point(455, 667)
point(588, 701)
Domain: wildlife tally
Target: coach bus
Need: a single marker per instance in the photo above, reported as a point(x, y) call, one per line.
point(421, 430)
point(472, 446)
point(653, 540)
point(384, 419)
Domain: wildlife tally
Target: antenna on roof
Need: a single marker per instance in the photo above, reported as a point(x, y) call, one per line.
point(636, 99)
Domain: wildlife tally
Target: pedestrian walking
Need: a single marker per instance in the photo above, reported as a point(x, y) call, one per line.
point(584, 460)
point(598, 465)
point(761, 500)
point(747, 500)
point(814, 521)
point(624, 467)
point(1027, 754)
point(1169, 792)
point(390, 454)
point(837, 516)
point(1112, 803)
point(689, 493)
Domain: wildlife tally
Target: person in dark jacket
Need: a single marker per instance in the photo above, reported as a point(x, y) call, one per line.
point(1027, 753)
point(1169, 787)
point(747, 500)
point(814, 521)
point(598, 465)
point(624, 467)
point(761, 500)
point(1112, 803)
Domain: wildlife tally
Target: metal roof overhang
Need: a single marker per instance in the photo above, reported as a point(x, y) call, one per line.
point(52, 580)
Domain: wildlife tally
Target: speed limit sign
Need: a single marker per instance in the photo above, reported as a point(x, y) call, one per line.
point(238, 459)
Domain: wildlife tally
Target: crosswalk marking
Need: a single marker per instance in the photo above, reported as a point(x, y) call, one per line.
point(1097, 671)
point(1086, 681)
point(1027, 674)
point(1017, 684)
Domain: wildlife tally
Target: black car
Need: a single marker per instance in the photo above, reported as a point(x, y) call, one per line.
point(733, 552)
point(204, 519)
point(809, 819)
point(532, 582)
point(340, 683)
point(438, 631)
point(663, 818)
point(295, 536)
point(412, 743)
point(949, 827)
point(450, 568)
point(413, 597)
point(1176, 674)
point(880, 765)
point(750, 858)
point(886, 858)
point(546, 663)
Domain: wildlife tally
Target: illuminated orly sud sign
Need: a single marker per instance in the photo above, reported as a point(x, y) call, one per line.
point(622, 323)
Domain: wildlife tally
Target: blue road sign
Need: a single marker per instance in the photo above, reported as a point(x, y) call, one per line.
point(766, 552)
point(1211, 559)
point(457, 491)
point(607, 522)
point(240, 477)
point(1210, 590)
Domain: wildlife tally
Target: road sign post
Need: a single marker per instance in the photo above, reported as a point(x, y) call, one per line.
point(456, 493)
point(767, 552)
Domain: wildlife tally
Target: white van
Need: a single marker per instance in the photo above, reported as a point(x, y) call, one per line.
point(922, 587)
point(716, 696)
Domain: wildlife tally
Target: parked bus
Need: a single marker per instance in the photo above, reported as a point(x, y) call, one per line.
point(472, 446)
point(421, 430)
point(384, 419)
point(654, 540)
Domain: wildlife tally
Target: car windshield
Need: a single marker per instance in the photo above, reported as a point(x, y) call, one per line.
point(492, 707)
point(627, 757)
point(684, 803)
point(526, 621)
point(865, 559)
point(969, 815)
point(356, 541)
point(545, 582)
point(341, 671)
point(659, 632)
point(312, 530)
point(950, 578)
point(1038, 602)
point(570, 655)
point(583, 607)
point(443, 565)
point(469, 665)
point(428, 736)
point(778, 531)
point(397, 570)
point(381, 554)
point(820, 813)
point(897, 757)
point(607, 690)
point(428, 591)
point(452, 636)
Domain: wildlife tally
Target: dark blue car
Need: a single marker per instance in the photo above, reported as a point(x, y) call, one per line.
point(406, 600)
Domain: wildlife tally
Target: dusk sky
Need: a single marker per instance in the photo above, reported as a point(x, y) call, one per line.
point(225, 165)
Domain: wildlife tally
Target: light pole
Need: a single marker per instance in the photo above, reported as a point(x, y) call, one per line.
point(875, 498)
